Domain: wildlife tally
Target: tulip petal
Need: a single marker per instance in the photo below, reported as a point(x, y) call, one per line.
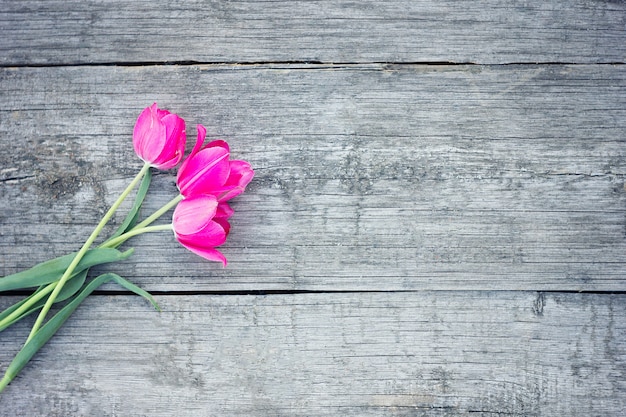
point(195, 150)
point(192, 215)
point(212, 234)
point(161, 113)
point(203, 172)
point(210, 254)
point(241, 174)
point(224, 225)
point(224, 211)
point(199, 141)
point(145, 121)
point(174, 146)
point(148, 134)
point(220, 143)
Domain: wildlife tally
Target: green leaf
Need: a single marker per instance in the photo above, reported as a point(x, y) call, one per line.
point(132, 216)
point(50, 328)
point(72, 286)
point(134, 288)
point(50, 271)
point(15, 306)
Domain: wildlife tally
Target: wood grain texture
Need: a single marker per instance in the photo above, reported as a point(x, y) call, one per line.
point(398, 354)
point(416, 237)
point(376, 177)
point(485, 32)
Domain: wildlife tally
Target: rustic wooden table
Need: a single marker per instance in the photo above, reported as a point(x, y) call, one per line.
point(437, 226)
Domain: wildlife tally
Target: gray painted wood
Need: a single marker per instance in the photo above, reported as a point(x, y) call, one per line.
point(402, 354)
point(377, 179)
point(486, 32)
point(369, 177)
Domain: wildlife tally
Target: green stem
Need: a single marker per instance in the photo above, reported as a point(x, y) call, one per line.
point(143, 226)
point(83, 250)
point(134, 232)
point(150, 219)
point(113, 243)
point(28, 304)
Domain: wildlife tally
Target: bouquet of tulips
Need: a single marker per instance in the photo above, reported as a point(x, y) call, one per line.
point(206, 179)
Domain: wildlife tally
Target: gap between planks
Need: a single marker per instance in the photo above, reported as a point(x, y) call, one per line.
point(305, 292)
point(297, 64)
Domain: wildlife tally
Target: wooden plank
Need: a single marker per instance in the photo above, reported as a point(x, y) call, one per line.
point(423, 353)
point(486, 31)
point(368, 177)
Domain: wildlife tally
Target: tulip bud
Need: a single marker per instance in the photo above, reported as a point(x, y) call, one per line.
point(159, 137)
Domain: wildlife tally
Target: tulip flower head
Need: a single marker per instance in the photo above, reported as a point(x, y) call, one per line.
point(200, 224)
point(208, 170)
point(159, 137)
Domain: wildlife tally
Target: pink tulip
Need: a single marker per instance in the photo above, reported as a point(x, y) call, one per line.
point(208, 170)
point(159, 137)
point(200, 224)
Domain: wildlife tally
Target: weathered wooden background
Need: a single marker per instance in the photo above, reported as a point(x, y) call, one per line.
point(437, 226)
